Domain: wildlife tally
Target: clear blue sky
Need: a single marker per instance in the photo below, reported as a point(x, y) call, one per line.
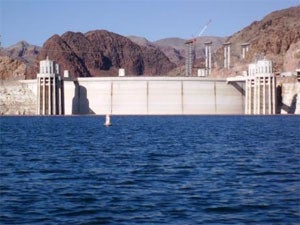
point(37, 20)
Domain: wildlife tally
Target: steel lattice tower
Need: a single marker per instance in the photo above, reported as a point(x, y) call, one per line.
point(189, 57)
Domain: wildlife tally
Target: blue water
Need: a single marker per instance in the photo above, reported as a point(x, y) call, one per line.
point(150, 170)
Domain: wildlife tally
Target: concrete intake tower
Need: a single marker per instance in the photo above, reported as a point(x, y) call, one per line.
point(50, 91)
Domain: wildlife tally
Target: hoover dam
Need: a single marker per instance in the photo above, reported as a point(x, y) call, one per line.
point(254, 93)
point(150, 96)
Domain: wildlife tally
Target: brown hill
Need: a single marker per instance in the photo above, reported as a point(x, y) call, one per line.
point(276, 37)
point(22, 51)
point(12, 69)
point(18, 60)
point(166, 47)
point(101, 53)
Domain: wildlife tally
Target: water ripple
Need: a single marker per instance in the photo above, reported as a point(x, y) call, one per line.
point(150, 170)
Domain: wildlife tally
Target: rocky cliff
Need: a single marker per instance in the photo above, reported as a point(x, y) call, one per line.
point(13, 69)
point(102, 53)
point(18, 61)
point(16, 99)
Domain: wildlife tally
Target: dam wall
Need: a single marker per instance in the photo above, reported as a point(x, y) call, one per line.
point(192, 95)
point(152, 96)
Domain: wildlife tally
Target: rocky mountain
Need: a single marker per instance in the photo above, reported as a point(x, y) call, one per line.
point(18, 60)
point(102, 53)
point(276, 37)
point(22, 51)
point(173, 48)
point(172, 52)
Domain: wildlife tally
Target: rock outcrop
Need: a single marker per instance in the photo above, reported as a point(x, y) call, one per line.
point(16, 99)
point(13, 69)
point(291, 59)
point(102, 53)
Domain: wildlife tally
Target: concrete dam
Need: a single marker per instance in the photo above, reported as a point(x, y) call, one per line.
point(143, 96)
point(152, 96)
point(253, 93)
point(132, 95)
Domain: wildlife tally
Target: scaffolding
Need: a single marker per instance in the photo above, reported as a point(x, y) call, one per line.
point(189, 57)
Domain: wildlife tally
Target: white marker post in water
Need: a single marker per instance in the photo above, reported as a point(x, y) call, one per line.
point(107, 120)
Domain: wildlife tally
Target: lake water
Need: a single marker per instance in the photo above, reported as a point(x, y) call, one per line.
point(150, 170)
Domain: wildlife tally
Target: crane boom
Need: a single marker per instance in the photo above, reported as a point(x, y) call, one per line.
point(204, 28)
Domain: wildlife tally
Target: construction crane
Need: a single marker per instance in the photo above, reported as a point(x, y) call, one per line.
point(204, 28)
point(189, 50)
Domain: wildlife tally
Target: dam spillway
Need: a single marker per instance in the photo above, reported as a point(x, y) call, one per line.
point(152, 96)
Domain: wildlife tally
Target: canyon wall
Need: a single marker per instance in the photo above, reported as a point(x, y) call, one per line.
point(16, 99)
